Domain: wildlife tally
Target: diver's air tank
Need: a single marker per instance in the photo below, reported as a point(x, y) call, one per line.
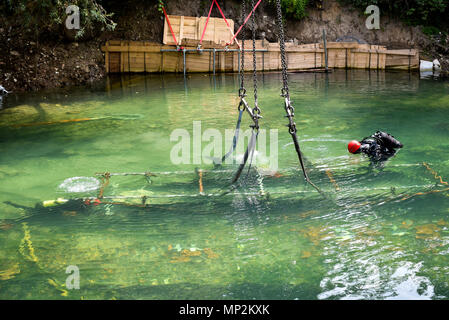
point(388, 140)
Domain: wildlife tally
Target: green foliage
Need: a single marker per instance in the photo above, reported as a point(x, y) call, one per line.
point(160, 6)
point(430, 30)
point(295, 9)
point(413, 12)
point(49, 15)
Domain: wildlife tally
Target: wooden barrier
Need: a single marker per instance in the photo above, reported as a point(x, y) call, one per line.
point(147, 57)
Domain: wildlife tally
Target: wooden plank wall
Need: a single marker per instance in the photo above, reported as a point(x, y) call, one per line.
point(144, 56)
point(402, 59)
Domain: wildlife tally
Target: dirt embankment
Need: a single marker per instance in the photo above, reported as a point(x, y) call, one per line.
point(27, 64)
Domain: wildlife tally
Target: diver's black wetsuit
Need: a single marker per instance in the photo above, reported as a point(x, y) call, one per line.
point(380, 146)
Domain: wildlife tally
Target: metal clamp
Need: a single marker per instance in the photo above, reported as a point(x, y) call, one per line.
point(242, 92)
point(284, 92)
point(244, 104)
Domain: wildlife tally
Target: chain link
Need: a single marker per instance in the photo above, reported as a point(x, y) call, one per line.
point(256, 109)
point(242, 91)
point(253, 27)
point(285, 91)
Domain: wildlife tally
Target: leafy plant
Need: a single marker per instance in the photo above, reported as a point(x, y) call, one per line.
point(49, 15)
point(295, 9)
point(413, 12)
point(160, 6)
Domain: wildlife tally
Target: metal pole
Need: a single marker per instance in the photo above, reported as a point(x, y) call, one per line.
point(184, 62)
point(325, 50)
point(214, 60)
point(239, 60)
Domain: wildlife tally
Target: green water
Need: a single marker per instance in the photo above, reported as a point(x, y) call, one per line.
point(372, 238)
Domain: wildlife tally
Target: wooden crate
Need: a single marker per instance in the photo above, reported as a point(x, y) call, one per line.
point(191, 28)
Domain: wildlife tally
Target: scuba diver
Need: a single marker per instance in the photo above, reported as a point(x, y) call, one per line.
point(379, 147)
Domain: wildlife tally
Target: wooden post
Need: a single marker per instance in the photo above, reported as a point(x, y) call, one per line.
point(129, 62)
point(162, 62)
point(325, 50)
point(122, 59)
point(377, 51)
point(181, 29)
point(369, 58)
point(409, 59)
point(346, 58)
point(106, 58)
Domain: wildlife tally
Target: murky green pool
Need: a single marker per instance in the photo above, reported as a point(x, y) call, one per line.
point(382, 233)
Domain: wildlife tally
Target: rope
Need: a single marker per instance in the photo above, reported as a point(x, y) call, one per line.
point(331, 179)
point(235, 138)
point(169, 25)
point(423, 193)
point(246, 20)
point(249, 149)
point(252, 154)
point(200, 181)
point(105, 183)
point(226, 21)
point(435, 174)
point(26, 243)
point(207, 21)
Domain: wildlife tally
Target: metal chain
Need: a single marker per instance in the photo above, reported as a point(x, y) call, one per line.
point(242, 91)
point(253, 27)
point(256, 109)
point(285, 91)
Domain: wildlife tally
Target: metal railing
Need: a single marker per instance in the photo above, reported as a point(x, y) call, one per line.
point(214, 50)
